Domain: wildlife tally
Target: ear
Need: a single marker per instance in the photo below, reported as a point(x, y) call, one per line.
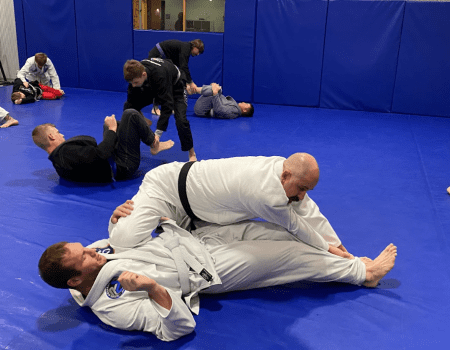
point(51, 137)
point(144, 74)
point(74, 281)
point(285, 176)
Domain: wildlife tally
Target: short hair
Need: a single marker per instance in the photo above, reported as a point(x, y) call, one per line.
point(40, 58)
point(39, 135)
point(250, 111)
point(15, 96)
point(52, 269)
point(198, 44)
point(132, 69)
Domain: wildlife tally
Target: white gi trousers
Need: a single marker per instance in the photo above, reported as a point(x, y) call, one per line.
point(255, 254)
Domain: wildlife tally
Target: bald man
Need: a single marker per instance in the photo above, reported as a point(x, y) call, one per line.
point(225, 191)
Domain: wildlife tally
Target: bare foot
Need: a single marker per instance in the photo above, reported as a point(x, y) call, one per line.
point(156, 111)
point(10, 121)
point(161, 146)
point(192, 155)
point(365, 259)
point(379, 268)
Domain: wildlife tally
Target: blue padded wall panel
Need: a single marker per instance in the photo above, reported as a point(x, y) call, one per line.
point(360, 56)
point(105, 42)
point(239, 47)
point(423, 75)
point(50, 28)
point(20, 32)
point(205, 68)
point(289, 50)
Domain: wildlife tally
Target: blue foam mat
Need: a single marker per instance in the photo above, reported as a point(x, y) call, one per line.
point(383, 179)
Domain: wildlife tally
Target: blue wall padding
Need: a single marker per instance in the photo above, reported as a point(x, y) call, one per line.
point(20, 32)
point(105, 42)
point(289, 51)
point(360, 57)
point(205, 68)
point(50, 28)
point(239, 49)
point(423, 76)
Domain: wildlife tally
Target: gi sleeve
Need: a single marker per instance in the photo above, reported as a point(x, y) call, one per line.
point(285, 216)
point(53, 75)
point(207, 90)
point(144, 314)
point(183, 59)
point(224, 108)
point(310, 212)
point(25, 69)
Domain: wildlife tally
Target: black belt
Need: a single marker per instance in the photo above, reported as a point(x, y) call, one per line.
point(182, 192)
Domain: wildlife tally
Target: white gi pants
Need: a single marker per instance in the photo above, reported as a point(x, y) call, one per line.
point(254, 254)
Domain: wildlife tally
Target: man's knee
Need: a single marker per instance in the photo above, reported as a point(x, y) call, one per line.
point(131, 113)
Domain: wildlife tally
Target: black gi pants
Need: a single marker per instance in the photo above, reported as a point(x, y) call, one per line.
point(131, 130)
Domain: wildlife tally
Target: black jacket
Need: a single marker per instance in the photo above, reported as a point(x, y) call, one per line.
point(162, 77)
point(179, 53)
point(81, 159)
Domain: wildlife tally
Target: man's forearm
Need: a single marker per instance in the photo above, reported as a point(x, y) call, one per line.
point(160, 295)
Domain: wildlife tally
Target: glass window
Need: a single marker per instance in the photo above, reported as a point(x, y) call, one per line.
point(197, 15)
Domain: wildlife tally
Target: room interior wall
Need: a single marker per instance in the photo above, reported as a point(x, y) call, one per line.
point(375, 55)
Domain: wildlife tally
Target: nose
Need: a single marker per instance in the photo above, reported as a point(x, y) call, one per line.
point(301, 195)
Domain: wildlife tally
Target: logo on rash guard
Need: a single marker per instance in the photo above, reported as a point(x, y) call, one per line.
point(113, 289)
point(105, 250)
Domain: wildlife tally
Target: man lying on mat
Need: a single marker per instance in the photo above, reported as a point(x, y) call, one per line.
point(81, 159)
point(212, 103)
point(153, 284)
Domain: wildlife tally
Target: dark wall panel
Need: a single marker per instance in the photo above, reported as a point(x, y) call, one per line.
point(20, 32)
point(423, 75)
point(205, 68)
point(360, 56)
point(239, 49)
point(289, 51)
point(105, 42)
point(50, 28)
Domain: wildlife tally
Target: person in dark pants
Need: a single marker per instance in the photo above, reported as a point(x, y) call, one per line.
point(81, 159)
point(179, 53)
point(159, 78)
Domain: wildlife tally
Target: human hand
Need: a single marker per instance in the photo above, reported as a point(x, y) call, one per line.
point(194, 88)
point(122, 211)
point(25, 83)
point(133, 282)
point(18, 102)
point(341, 247)
point(339, 252)
point(163, 218)
point(215, 88)
point(111, 122)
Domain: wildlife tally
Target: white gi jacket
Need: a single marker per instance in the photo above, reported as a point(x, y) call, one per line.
point(164, 260)
point(230, 190)
point(31, 72)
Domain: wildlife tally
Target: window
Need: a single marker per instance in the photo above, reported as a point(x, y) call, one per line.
point(199, 15)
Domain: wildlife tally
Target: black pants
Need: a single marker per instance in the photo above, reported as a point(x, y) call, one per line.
point(131, 130)
point(181, 122)
point(180, 108)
